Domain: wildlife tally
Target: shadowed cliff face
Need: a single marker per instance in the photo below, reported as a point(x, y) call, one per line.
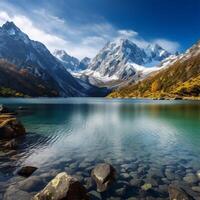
point(15, 82)
point(35, 58)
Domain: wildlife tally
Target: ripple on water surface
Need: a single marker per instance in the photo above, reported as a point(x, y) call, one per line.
point(154, 142)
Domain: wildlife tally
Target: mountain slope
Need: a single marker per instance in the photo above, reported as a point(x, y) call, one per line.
point(70, 62)
point(84, 63)
point(181, 78)
point(14, 82)
point(122, 60)
point(17, 48)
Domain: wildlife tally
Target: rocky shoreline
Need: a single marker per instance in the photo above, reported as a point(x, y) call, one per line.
point(104, 180)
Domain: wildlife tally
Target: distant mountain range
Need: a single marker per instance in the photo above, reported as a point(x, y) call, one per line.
point(122, 60)
point(71, 63)
point(27, 68)
point(34, 57)
point(180, 78)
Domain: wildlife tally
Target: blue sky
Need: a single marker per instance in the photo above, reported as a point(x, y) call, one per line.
point(82, 27)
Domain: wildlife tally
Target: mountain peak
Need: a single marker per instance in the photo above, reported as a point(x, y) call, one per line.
point(11, 29)
point(70, 62)
point(10, 26)
point(59, 52)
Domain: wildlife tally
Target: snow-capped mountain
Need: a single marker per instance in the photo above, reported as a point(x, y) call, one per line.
point(156, 53)
point(179, 76)
point(84, 63)
point(123, 60)
point(17, 48)
point(71, 63)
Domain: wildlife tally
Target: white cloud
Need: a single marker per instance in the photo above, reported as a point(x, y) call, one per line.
point(170, 46)
point(127, 33)
point(79, 40)
point(25, 24)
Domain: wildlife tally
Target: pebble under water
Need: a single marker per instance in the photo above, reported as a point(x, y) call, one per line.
point(150, 143)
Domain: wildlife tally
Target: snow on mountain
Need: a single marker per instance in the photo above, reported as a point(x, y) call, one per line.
point(17, 48)
point(71, 63)
point(122, 60)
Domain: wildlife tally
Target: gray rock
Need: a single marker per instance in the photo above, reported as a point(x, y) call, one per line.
point(4, 109)
point(30, 184)
point(136, 182)
point(126, 166)
point(104, 174)
point(170, 175)
point(196, 188)
point(13, 193)
point(94, 195)
point(63, 186)
point(88, 183)
point(84, 165)
point(12, 144)
point(190, 178)
point(176, 193)
point(73, 165)
point(10, 127)
point(26, 171)
point(78, 177)
point(125, 175)
point(198, 174)
point(120, 191)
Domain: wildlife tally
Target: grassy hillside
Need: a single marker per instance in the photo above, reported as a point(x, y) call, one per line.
point(180, 79)
point(15, 82)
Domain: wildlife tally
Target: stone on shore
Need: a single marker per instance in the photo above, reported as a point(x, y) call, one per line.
point(12, 144)
point(10, 127)
point(104, 175)
point(26, 171)
point(4, 109)
point(63, 186)
point(176, 193)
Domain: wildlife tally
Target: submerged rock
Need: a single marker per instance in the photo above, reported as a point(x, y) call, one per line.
point(26, 171)
point(146, 186)
point(10, 127)
point(63, 186)
point(176, 193)
point(31, 184)
point(190, 178)
point(104, 175)
point(13, 193)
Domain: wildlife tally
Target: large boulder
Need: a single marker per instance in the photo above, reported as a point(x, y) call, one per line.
point(26, 171)
point(104, 174)
point(63, 187)
point(176, 193)
point(10, 127)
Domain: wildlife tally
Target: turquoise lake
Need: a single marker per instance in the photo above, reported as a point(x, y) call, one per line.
point(156, 142)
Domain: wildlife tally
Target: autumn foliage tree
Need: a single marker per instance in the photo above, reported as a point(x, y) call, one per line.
point(155, 86)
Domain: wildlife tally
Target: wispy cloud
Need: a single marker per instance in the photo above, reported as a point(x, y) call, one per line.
point(169, 45)
point(127, 33)
point(79, 40)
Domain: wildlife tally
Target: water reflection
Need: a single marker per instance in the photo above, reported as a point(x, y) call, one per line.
point(118, 129)
point(141, 133)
